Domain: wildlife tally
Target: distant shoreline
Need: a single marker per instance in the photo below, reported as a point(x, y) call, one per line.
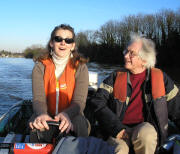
point(16, 55)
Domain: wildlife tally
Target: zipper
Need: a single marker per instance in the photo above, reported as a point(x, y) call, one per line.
point(57, 96)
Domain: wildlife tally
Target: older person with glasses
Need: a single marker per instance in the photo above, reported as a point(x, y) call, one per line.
point(60, 84)
point(133, 104)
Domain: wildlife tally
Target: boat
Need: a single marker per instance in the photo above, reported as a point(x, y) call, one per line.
point(14, 130)
point(14, 133)
point(13, 126)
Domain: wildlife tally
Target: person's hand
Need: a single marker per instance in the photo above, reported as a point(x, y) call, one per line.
point(65, 124)
point(122, 135)
point(40, 122)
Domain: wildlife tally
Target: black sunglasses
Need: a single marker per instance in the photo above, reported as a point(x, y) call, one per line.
point(60, 39)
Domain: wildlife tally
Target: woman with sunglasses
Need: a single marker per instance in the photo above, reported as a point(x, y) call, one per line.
point(60, 84)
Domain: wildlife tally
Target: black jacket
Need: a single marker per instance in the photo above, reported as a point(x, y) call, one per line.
point(110, 111)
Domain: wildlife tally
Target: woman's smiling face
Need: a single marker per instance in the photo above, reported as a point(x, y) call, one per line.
point(62, 49)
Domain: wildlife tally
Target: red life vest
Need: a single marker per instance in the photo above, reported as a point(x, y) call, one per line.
point(157, 83)
point(66, 86)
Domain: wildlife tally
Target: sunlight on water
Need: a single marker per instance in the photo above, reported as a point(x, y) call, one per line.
point(102, 70)
point(15, 79)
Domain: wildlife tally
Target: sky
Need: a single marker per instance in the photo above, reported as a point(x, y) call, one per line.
point(24, 23)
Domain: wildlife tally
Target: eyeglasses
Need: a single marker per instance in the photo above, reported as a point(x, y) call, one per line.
point(131, 53)
point(60, 39)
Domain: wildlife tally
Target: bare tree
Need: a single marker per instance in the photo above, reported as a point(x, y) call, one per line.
point(107, 33)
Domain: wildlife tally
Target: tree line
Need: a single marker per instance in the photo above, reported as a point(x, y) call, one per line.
point(4, 53)
point(106, 44)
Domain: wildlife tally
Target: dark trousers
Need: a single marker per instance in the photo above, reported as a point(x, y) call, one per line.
point(80, 125)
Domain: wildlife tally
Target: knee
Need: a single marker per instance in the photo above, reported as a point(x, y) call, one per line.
point(121, 147)
point(147, 135)
point(80, 121)
point(80, 125)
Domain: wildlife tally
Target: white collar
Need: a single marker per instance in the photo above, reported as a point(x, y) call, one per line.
point(60, 64)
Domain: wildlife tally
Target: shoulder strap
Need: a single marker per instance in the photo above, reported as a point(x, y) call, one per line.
point(157, 82)
point(120, 86)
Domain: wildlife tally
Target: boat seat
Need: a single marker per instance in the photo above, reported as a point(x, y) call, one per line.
point(27, 139)
point(10, 138)
point(1, 139)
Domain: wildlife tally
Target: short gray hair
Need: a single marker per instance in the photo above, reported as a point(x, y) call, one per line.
point(148, 51)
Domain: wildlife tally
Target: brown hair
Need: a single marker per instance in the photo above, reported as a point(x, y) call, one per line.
point(76, 57)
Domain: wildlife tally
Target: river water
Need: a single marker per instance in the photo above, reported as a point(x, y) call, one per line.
point(15, 79)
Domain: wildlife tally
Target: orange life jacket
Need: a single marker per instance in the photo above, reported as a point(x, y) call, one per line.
point(66, 85)
point(157, 84)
